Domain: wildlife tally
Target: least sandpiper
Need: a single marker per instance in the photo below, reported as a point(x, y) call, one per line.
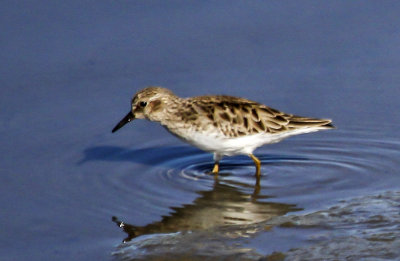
point(222, 125)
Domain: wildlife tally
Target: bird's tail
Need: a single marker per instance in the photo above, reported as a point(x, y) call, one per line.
point(298, 122)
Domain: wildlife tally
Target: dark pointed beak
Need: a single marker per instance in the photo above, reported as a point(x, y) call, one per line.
point(129, 117)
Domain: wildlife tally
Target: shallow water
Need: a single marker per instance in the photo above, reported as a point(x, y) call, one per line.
point(302, 175)
point(71, 190)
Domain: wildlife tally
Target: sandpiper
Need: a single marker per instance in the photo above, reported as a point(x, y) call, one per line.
point(222, 125)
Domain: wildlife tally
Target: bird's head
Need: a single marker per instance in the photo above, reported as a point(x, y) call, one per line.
point(147, 104)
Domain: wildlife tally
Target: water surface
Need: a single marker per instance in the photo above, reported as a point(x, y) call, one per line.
point(71, 190)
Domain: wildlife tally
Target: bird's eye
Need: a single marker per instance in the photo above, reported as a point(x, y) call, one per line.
point(143, 104)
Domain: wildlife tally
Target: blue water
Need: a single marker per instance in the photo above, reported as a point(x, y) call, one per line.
point(68, 71)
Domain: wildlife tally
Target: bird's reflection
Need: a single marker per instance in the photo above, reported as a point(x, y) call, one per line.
point(224, 205)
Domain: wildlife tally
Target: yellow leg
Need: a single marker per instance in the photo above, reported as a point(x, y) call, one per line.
point(258, 165)
point(216, 168)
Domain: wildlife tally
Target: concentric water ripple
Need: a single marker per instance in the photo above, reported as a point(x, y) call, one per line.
point(163, 186)
point(308, 171)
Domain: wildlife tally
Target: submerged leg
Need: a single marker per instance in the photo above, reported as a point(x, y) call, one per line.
point(258, 165)
point(216, 168)
point(217, 158)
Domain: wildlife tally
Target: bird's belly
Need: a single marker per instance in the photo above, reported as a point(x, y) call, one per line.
point(222, 145)
point(215, 142)
point(227, 146)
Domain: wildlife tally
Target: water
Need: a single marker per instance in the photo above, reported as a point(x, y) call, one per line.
point(302, 176)
point(71, 190)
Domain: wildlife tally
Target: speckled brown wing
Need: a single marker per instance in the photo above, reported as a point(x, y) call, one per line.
point(236, 117)
point(276, 121)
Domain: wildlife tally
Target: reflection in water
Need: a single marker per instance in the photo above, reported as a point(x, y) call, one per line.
point(223, 206)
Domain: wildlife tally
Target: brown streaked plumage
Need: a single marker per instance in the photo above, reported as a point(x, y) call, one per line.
point(223, 125)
